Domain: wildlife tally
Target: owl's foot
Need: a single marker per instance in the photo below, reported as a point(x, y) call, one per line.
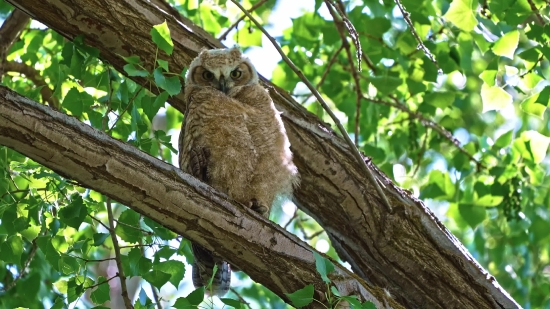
point(198, 162)
point(259, 208)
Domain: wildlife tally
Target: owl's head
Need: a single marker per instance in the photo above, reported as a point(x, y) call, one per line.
point(224, 69)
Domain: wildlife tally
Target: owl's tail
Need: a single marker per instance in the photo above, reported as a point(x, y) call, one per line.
point(203, 268)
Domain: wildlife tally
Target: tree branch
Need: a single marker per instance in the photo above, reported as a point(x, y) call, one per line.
point(9, 33)
point(252, 9)
point(33, 75)
point(118, 259)
point(165, 194)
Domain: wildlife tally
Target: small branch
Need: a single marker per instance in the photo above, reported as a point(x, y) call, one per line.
point(351, 30)
point(241, 299)
point(234, 25)
point(536, 11)
point(534, 65)
point(88, 260)
point(355, 74)
point(421, 45)
point(99, 221)
point(153, 288)
point(353, 149)
point(429, 123)
point(116, 248)
point(103, 282)
point(421, 152)
point(33, 75)
point(23, 271)
point(9, 32)
point(331, 61)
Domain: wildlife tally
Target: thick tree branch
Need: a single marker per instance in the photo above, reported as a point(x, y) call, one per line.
point(33, 75)
point(409, 253)
point(10, 31)
point(176, 200)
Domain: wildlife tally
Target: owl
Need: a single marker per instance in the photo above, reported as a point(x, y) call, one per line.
point(233, 139)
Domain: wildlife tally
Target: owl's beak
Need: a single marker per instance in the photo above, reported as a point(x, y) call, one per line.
point(222, 85)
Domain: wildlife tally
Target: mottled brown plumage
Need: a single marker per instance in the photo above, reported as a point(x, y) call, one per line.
point(234, 140)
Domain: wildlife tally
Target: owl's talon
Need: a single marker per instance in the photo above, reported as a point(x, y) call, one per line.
point(257, 207)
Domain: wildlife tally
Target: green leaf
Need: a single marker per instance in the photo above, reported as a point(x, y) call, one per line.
point(323, 266)
point(232, 302)
point(488, 201)
point(74, 214)
point(353, 301)
point(131, 70)
point(368, 305)
point(172, 85)
point(386, 84)
point(530, 106)
point(99, 238)
point(248, 36)
point(175, 269)
point(462, 13)
point(132, 59)
point(183, 303)
point(161, 37)
point(101, 294)
point(302, 297)
point(494, 98)
point(128, 228)
point(196, 297)
point(151, 108)
point(532, 145)
point(440, 99)
point(505, 139)
point(506, 46)
point(439, 185)
point(11, 250)
point(489, 77)
point(157, 278)
point(68, 265)
point(163, 64)
point(77, 102)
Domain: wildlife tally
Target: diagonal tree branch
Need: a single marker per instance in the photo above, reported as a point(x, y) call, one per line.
point(409, 253)
point(163, 193)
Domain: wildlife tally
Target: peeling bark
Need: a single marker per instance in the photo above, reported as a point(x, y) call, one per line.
point(409, 252)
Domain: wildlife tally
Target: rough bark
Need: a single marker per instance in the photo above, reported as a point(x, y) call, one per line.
point(408, 252)
point(162, 192)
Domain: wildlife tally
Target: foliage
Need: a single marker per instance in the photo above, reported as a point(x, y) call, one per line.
point(471, 141)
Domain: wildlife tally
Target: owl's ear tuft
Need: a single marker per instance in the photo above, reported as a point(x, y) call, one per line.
point(235, 51)
point(203, 54)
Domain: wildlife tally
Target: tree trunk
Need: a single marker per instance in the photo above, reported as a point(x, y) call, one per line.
point(408, 252)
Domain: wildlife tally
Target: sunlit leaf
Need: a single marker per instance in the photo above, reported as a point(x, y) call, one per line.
point(462, 14)
point(507, 44)
point(161, 37)
point(494, 98)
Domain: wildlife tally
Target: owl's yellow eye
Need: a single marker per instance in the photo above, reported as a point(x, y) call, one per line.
point(236, 74)
point(207, 75)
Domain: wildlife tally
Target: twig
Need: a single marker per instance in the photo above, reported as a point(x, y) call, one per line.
point(103, 282)
point(429, 123)
point(33, 75)
point(355, 74)
point(421, 45)
point(125, 109)
point(534, 65)
point(241, 299)
point(88, 260)
point(331, 61)
point(351, 30)
point(353, 149)
point(536, 11)
point(23, 271)
point(153, 288)
point(252, 9)
point(421, 152)
point(116, 248)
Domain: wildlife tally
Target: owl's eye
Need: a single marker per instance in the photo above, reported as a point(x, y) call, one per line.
point(207, 75)
point(236, 74)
